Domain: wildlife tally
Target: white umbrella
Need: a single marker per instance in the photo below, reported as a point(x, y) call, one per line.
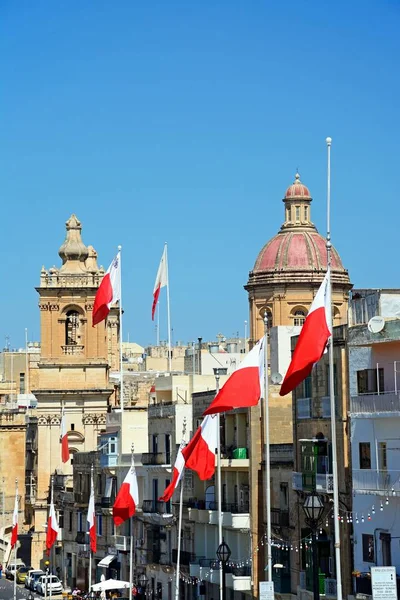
point(110, 584)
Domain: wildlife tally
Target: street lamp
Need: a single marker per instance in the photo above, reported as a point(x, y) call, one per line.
point(313, 508)
point(223, 555)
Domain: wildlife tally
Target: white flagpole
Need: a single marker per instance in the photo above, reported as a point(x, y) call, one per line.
point(158, 323)
point(332, 384)
point(267, 455)
point(168, 311)
point(26, 362)
point(15, 548)
point(219, 489)
point(131, 539)
point(121, 369)
point(94, 517)
point(51, 549)
point(178, 557)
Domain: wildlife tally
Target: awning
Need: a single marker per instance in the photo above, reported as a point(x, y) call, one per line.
point(107, 560)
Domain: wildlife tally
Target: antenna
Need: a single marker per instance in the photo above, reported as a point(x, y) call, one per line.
point(376, 324)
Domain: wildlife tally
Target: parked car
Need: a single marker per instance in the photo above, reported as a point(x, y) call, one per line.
point(12, 568)
point(52, 582)
point(22, 573)
point(32, 577)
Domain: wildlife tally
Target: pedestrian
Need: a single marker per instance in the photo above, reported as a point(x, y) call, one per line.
point(1, 570)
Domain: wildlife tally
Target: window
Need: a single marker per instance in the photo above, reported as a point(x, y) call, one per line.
point(155, 490)
point(72, 426)
point(288, 214)
point(306, 213)
point(70, 520)
point(112, 445)
point(155, 444)
point(307, 387)
point(365, 455)
point(22, 383)
point(72, 337)
point(297, 214)
point(328, 381)
point(167, 449)
point(99, 486)
point(382, 456)
point(368, 547)
point(99, 519)
point(370, 381)
point(284, 497)
point(299, 318)
point(80, 522)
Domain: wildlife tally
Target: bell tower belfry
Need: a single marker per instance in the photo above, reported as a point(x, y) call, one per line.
point(73, 371)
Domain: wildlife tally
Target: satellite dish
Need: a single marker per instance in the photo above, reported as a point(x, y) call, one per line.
point(376, 324)
point(276, 378)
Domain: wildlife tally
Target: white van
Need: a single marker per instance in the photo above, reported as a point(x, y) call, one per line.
point(32, 577)
point(12, 568)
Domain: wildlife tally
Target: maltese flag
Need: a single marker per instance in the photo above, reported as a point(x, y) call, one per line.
point(14, 531)
point(52, 529)
point(177, 474)
point(161, 281)
point(127, 498)
point(64, 440)
point(109, 291)
point(199, 454)
point(91, 519)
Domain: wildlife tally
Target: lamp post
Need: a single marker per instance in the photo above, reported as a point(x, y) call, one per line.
point(47, 563)
point(143, 583)
point(313, 508)
point(223, 554)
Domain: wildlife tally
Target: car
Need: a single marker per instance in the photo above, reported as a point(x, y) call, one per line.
point(22, 573)
point(12, 568)
point(52, 582)
point(32, 577)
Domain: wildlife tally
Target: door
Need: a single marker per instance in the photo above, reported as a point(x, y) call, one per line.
point(386, 542)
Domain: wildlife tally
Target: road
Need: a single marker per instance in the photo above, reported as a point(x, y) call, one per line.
point(7, 591)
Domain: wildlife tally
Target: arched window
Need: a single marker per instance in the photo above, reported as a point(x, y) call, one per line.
point(72, 327)
point(288, 214)
point(299, 317)
point(210, 497)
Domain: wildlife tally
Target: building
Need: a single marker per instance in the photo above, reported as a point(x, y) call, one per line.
point(73, 369)
point(374, 359)
point(282, 284)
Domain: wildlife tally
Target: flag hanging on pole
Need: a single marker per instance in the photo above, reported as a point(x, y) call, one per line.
point(313, 339)
point(127, 498)
point(177, 474)
point(161, 281)
point(52, 528)
point(199, 454)
point(14, 531)
point(64, 439)
point(91, 519)
point(243, 388)
point(109, 291)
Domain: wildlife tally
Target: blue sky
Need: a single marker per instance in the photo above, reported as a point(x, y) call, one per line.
point(184, 122)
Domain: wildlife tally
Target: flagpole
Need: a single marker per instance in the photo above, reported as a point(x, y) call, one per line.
point(267, 453)
point(168, 311)
point(51, 549)
point(219, 489)
point(158, 323)
point(178, 557)
point(90, 545)
point(26, 362)
point(332, 383)
point(131, 539)
point(15, 547)
point(121, 370)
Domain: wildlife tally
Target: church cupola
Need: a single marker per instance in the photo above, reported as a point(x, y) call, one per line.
point(73, 251)
point(297, 206)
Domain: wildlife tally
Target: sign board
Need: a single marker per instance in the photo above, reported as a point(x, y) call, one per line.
point(266, 590)
point(384, 585)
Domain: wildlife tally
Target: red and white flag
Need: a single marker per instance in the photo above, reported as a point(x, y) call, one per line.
point(127, 498)
point(199, 454)
point(64, 439)
point(161, 281)
point(177, 474)
point(91, 519)
point(52, 528)
point(244, 386)
point(313, 339)
point(14, 531)
point(109, 291)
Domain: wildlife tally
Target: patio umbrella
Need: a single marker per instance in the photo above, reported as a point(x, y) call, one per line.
point(110, 584)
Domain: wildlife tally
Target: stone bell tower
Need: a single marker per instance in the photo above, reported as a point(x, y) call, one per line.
point(73, 369)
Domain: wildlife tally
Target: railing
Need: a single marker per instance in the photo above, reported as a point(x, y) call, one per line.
point(81, 537)
point(303, 408)
point(375, 403)
point(373, 480)
point(279, 518)
point(69, 350)
point(156, 506)
point(236, 509)
point(155, 458)
point(81, 497)
point(321, 482)
point(185, 558)
point(212, 563)
point(106, 502)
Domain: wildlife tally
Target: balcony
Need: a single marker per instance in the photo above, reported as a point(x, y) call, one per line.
point(371, 404)
point(122, 542)
point(72, 350)
point(155, 458)
point(156, 506)
point(237, 578)
point(81, 537)
point(81, 497)
point(186, 557)
point(306, 482)
point(279, 518)
point(108, 460)
point(380, 482)
point(235, 516)
point(106, 502)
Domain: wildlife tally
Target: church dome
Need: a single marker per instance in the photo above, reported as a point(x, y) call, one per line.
point(297, 190)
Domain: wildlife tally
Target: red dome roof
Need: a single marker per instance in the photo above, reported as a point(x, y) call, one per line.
point(296, 251)
point(297, 190)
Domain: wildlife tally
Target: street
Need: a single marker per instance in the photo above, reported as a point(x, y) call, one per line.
point(7, 591)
